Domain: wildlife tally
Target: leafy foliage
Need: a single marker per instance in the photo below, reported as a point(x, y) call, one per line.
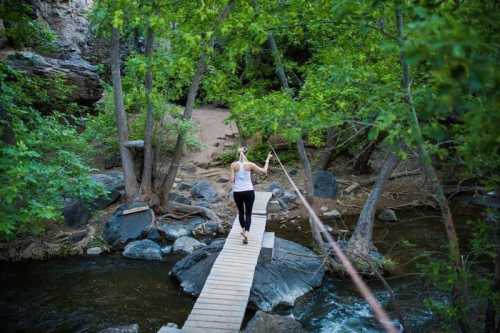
point(43, 165)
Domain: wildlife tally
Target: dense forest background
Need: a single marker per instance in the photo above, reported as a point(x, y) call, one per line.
point(319, 78)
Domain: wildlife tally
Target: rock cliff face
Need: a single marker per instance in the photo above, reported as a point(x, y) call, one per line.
point(68, 19)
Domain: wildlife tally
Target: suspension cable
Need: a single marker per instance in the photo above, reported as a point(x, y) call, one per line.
point(363, 288)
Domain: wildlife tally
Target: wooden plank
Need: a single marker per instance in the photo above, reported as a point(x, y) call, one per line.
point(214, 318)
point(208, 324)
point(219, 307)
point(135, 210)
point(222, 313)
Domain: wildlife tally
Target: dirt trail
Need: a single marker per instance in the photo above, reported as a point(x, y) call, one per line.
point(213, 133)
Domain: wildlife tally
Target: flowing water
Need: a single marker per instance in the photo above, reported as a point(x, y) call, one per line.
point(88, 294)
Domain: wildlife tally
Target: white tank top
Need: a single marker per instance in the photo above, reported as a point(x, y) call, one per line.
point(242, 180)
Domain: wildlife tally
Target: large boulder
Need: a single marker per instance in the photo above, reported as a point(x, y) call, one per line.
point(76, 72)
point(77, 212)
point(173, 229)
point(193, 270)
point(325, 185)
point(121, 229)
point(387, 215)
point(293, 271)
point(187, 244)
point(143, 249)
point(113, 184)
point(204, 190)
point(264, 322)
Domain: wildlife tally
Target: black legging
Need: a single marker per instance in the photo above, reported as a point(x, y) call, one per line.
point(244, 201)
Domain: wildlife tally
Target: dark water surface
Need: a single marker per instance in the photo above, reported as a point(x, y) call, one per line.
point(88, 294)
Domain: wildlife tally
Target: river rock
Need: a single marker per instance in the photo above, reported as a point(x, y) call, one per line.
point(154, 235)
point(276, 189)
point(78, 73)
point(173, 229)
point(333, 213)
point(325, 185)
point(273, 206)
point(183, 186)
point(223, 179)
point(293, 271)
point(176, 197)
point(387, 215)
point(208, 228)
point(167, 249)
point(77, 212)
point(113, 183)
point(187, 244)
point(204, 189)
point(192, 270)
point(144, 249)
point(121, 229)
point(264, 322)
point(134, 328)
point(170, 328)
point(94, 251)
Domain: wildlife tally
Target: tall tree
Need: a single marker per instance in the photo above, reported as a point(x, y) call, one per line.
point(131, 186)
point(147, 173)
point(168, 180)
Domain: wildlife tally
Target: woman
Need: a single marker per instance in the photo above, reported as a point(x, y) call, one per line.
point(243, 192)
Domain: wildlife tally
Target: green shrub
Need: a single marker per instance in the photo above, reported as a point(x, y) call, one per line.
point(41, 163)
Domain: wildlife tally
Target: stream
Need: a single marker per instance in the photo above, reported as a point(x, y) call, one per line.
point(87, 294)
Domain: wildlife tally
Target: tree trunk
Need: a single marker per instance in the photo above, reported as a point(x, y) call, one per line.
point(131, 187)
point(147, 171)
point(424, 155)
point(326, 154)
point(308, 182)
point(280, 70)
point(168, 181)
point(361, 165)
point(459, 300)
point(306, 165)
point(361, 240)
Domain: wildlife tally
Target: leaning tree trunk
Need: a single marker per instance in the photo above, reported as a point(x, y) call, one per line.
point(131, 187)
point(7, 134)
point(361, 165)
point(423, 153)
point(361, 240)
point(168, 181)
point(326, 154)
point(459, 300)
point(147, 171)
point(306, 165)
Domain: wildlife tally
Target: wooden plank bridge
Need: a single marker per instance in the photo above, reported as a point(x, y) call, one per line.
point(223, 300)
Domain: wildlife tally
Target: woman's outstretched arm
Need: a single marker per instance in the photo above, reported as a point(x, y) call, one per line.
point(255, 167)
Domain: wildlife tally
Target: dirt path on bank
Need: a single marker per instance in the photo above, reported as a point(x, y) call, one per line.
point(213, 133)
